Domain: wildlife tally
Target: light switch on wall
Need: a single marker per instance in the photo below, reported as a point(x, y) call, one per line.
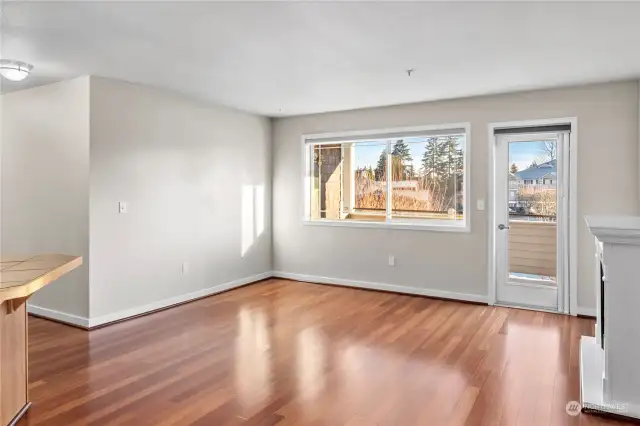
point(480, 204)
point(122, 207)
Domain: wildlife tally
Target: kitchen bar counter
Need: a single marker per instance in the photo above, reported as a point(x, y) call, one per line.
point(20, 277)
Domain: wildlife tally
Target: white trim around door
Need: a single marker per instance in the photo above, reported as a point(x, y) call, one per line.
point(567, 306)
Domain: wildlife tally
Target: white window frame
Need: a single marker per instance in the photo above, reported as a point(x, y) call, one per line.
point(418, 224)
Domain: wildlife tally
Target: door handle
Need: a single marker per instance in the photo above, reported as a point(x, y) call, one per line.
point(503, 227)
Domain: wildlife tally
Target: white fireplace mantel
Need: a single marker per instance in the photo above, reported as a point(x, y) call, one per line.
point(610, 361)
point(615, 229)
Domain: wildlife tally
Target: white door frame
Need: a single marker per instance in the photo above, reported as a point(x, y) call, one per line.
point(567, 308)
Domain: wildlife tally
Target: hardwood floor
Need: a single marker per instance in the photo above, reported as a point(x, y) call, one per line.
point(289, 353)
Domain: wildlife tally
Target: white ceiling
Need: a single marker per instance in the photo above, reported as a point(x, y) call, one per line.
point(289, 58)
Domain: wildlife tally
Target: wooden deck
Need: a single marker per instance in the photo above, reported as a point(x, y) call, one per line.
point(532, 248)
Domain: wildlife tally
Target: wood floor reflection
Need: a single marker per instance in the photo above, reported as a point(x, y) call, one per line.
point(289, 353)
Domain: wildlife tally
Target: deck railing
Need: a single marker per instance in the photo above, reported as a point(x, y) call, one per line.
point(532, 247)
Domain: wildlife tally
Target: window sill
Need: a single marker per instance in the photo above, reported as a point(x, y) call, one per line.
point(433, 225)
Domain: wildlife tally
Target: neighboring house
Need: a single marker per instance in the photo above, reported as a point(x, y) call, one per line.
point(405, 185)
point(543, 174)
point(539, 177)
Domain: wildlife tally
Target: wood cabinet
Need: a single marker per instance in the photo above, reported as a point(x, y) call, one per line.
point(13, 360)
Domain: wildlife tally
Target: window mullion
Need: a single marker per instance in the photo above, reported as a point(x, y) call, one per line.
point(389, 186)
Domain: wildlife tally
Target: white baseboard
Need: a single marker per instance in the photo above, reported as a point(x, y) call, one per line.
point(587, 312)
point(382, 286)
point(139, 310)
point(58, 316)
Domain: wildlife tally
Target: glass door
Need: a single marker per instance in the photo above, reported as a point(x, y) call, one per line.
point(530, 176)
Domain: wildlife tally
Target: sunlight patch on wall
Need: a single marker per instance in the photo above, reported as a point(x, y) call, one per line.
point(247, 218)
point(258, 198)
point(253, 214)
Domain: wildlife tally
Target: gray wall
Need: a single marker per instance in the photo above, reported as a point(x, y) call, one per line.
point(182, 167)
point(607, 174)
point(45, 183)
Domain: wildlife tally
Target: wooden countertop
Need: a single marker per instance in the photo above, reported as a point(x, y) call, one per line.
point(21, 276)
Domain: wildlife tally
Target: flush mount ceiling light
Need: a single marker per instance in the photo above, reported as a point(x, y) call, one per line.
point(14, 70)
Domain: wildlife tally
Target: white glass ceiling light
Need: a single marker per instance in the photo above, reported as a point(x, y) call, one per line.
point(14, 70)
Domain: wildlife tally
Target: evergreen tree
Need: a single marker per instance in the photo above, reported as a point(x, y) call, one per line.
point(433, 166)
point(449, 145)
point(380, 171)
point(401, 149)
point(514, 168)
point(410, 172)
point(459, 167)
point(443, 163)
point(459, 160)
point(402, 152)
point(452, 164)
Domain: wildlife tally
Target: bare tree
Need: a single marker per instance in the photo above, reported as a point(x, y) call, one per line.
point(538, 201)
point(550, 150)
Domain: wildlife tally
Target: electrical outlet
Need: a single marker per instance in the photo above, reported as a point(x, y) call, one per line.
point(185, 268)
point(480, 205)
point(392, 260)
